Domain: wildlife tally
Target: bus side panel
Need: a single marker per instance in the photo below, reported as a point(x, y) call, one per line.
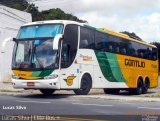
point(85, 59)
point(109, 70)
point(99, 67)
point(154, 74)
point(133, 68)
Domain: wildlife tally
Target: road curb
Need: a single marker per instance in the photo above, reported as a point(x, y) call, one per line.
point(12, 91)
point(121, 98)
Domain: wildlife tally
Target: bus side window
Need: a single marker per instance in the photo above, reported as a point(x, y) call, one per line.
point(154, 54)
point(123, 51)
point(139, 54)
point(150, 56)
point(84, 43)
point(117, 49)
point(110, 48)
point(86, 38)
point(101, 41)
point(142, 55)
point(129, 49)
point(147, 54)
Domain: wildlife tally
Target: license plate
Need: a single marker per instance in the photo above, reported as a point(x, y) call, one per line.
point(30, 83)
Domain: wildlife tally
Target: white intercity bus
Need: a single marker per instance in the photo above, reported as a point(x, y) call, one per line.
point(67, 55)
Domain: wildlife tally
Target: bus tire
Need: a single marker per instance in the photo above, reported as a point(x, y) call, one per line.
point(111, 91)
point(145, 86)
point(139, 89)
point(86, 85)
point(47, 91)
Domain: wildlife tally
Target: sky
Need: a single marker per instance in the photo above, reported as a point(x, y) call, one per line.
point(139, 16)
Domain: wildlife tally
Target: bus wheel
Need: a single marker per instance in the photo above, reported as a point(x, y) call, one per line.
point(139, 88)
point(145, 87)
point(47, 91)
point(86, 85)
point(111, 91)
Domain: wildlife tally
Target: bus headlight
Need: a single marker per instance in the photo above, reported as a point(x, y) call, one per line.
point(15, 77)
point(51, 76)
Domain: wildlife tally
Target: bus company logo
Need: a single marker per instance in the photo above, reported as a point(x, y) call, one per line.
point(21, 74)
point(134, 63)
point(86, 58)
point(69, 80)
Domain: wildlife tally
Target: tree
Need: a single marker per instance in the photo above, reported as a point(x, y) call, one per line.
point(57, 14)
point(132, 35)
point(36, 15)
point(16, 4)
point(52, 14)
point(22, 5)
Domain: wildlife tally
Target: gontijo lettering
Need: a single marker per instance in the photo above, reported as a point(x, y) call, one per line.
point(134, 63)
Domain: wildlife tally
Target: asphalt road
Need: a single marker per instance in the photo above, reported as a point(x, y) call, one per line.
point(66, 105)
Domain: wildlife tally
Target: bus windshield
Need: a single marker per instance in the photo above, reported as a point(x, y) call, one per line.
point(40, 31)
point(35, 55)
point(34, 47)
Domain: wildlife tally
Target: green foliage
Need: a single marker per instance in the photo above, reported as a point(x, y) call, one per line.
point(52, 14)
point(132, 35)
point(16, 4)
point(57, 14)
point(36, 15)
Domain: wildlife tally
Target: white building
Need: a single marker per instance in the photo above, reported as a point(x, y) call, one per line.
point(10, 21)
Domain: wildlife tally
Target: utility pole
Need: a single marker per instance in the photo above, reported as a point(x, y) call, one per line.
point(29, 4)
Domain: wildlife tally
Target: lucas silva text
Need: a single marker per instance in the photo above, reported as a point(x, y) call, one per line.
point(17, 107)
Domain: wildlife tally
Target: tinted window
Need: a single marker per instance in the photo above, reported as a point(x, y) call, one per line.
point(148, 53)
point(101, 41)
point(143, 51)
point(114, 44)
point(135, 49)
point(154, 54)
point(124, 46)
point(117, 45)
point(69, 47)
point(86, 38)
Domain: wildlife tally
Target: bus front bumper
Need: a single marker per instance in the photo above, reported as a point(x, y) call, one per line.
point(36, 84)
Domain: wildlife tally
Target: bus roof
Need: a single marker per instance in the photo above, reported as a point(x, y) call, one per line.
point(105, 30)
point(54, 21)
point(126, 37)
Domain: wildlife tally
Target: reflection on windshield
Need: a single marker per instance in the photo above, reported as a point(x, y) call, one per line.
point(44, 54)
point(37, 54)
point(37, 31)
point(23, 54)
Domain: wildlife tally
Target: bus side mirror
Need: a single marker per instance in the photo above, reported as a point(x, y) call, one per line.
point(56, 40)
point(4, 43)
